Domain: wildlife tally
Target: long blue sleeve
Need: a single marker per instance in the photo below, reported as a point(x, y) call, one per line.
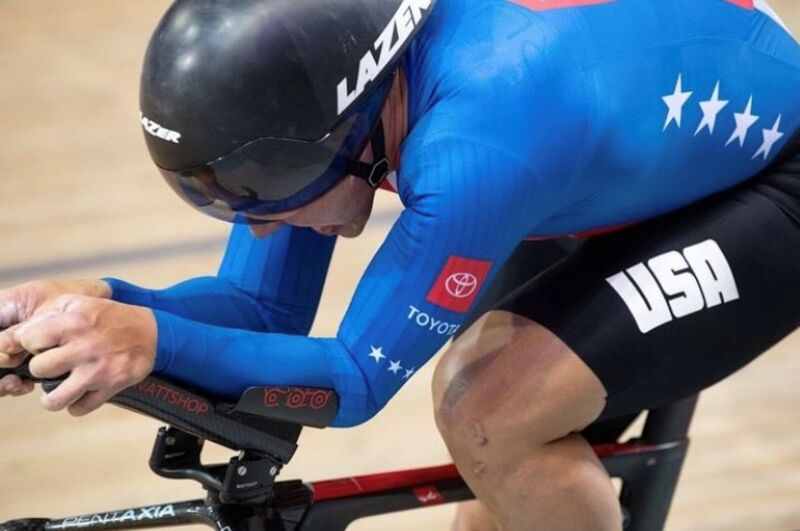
point(269, 285)
point(405, 307)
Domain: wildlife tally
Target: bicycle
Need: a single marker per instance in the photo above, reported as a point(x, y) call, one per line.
point(263, 426)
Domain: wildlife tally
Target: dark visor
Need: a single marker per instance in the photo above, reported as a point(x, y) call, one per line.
point(266, 176)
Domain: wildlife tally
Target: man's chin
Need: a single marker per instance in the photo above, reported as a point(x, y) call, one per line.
point(351, 230)
point(346, 230)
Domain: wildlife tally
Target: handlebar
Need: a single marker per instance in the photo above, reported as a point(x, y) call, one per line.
point(280, 411)
point(22, 371)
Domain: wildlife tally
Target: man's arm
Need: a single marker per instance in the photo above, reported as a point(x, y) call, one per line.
point(456, 230)
point(272, 284)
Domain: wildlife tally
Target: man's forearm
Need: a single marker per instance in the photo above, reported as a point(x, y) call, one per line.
point(226, 362)
point(264, 285)
point(209, 300)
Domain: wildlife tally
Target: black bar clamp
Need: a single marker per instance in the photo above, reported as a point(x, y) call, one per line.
point(248, 478)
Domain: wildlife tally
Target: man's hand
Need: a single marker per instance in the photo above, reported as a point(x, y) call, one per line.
point(18, 304)
point(104, 345)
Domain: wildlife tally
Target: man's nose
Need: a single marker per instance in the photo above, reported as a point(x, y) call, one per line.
point(262, 230)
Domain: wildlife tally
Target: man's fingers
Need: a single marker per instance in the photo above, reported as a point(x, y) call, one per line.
point(89, 402)
point(67, 393)
point(9, 343)
point(8, 312)
point(25, 387)
point(42, 331)
point(13, 385)
point(9, 361)
point(54, 363)
point(9, 383)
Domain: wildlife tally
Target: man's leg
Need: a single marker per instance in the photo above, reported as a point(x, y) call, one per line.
point(501, 408)
point(512, 392)
point(473, 516)
point(527, 261)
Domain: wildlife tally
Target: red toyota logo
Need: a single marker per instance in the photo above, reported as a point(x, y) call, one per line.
point(458, 283)
point(461, 285)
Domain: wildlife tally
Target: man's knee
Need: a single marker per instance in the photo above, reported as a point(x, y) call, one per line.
point(459, 378)
point(509, 385)
point(474, 392)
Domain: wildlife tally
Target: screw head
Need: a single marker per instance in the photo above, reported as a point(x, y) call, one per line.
point(273, 471)
point(170, 441)
point(242, 470)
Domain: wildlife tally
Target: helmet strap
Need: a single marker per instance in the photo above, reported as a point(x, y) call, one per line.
point(376, 172)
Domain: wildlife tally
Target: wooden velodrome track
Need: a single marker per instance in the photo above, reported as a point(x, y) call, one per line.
point(79, 197)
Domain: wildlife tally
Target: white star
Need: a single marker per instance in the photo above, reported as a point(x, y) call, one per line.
point(409, 372)
point(771, 136)
point(744, 121)
point(711, 109)
point(675, 103)
point(394, 366)
point(376, 354)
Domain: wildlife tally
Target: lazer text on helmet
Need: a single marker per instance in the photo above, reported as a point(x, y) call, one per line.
point(391, 39)
point(159, 131)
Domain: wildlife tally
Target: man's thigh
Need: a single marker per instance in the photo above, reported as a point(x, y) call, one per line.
point(666, 308)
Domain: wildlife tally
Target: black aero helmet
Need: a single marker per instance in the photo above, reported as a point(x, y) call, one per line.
point(252, 107)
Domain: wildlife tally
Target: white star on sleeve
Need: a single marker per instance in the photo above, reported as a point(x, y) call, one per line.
point(744, 121)
point(376, 354)
point(771, 137)
point(711, 109)
point(675, 103)
point(409, 372)
point(394, 366)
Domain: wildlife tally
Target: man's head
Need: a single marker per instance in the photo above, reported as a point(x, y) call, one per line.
point(258, 109)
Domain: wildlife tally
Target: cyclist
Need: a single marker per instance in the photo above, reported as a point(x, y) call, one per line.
point(503, 120)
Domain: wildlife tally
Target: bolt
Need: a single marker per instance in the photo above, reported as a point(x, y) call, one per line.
point(242, 470)
point(170, 441)
point(273, 471)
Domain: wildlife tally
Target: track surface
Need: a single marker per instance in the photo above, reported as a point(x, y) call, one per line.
point(79, 198)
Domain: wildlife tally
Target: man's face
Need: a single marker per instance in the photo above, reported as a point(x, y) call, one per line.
point(343, 210)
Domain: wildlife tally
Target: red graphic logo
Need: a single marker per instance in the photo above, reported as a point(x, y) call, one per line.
point(428, 495)
point(543, 5)
point(296, 397)
point(173, 397)
point(459, 283)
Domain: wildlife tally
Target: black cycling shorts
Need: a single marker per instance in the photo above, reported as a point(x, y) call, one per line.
point(668, 307)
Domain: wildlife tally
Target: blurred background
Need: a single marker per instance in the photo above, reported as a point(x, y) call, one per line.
point(80, 198)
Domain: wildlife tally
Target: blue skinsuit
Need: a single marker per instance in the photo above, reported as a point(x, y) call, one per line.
point(525, 121)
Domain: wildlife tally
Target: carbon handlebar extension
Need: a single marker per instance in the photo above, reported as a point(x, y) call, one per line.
point(22, 371)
